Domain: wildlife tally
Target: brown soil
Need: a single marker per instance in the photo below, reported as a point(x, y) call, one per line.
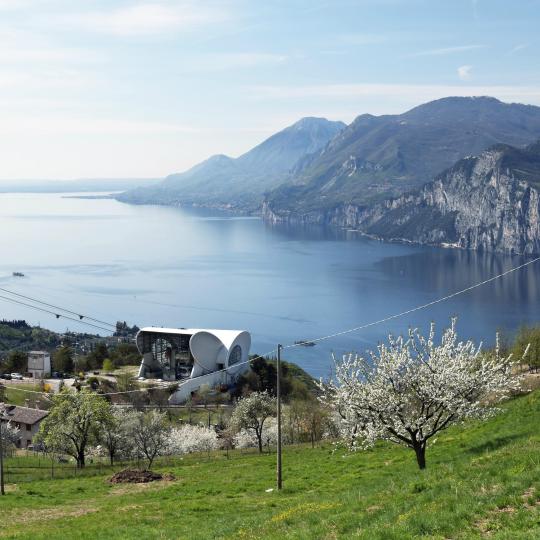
point(135, 476)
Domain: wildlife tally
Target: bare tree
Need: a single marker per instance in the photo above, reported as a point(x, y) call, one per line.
point(149, 433)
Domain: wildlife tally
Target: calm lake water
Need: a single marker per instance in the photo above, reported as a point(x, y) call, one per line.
point(169, 267)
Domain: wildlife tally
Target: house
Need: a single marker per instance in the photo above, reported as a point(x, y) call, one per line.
point(192, 357)
point(39, 364)
point(27, 420)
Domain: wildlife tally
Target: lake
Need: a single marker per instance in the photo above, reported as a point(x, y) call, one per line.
point(162, 266)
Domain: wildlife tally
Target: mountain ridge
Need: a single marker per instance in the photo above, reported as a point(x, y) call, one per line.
point(489, 202)
point(239, 183)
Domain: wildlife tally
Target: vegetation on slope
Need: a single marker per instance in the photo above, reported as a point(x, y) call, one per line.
point(483, 482)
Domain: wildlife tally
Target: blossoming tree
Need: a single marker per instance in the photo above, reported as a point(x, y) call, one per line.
point(412, 388)
point(187, 438)
point(10, 435)
point(252, 412)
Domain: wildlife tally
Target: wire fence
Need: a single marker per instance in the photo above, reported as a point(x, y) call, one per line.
point(38, 466)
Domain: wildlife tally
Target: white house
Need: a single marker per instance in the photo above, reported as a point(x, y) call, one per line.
point(39, 364)
point(193, 357)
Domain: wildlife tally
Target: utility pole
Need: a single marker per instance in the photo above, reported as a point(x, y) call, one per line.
point(2, 492)
point(278, 397)
point(2, 431)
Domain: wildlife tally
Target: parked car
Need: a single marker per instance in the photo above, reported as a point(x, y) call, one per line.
point(17, 376)
point(5, 376)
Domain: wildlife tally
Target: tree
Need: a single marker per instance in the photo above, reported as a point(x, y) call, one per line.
point(251, 413)
point(16, 361)
point(150, 435)
point(114, 432)
point(528, 337)
point(125, 354)
point(411, 389)
point(96, 358)
point(73, 422)
point(10, 436)
point(108, 365)
point(187, 438)
point(63, 359)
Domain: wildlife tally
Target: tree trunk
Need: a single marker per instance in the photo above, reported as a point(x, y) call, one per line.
point(259, 440)
point(420, 450)
point(111, 456)
point(80, 460)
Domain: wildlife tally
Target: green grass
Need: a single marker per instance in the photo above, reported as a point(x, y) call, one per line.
point(14, 394)
point(482, 481)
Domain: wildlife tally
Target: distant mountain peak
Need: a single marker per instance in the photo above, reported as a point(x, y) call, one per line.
point(313, 121)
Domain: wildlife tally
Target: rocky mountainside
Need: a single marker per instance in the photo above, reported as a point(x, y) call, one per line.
point(380, 156)
point(240, 183)
point(490, 202)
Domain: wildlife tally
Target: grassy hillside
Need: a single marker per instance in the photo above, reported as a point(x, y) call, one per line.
point(482, 481)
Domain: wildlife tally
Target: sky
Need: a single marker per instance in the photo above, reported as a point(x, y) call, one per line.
point(120, 88)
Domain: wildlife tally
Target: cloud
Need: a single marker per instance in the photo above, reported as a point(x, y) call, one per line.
point(464, 72)
point(9, 55)
point(145, 19)
point(515, 49)
point(449, 50)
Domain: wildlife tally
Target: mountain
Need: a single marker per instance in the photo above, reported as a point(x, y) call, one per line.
point(377, 157)
point(490, 202)
point(240, 183)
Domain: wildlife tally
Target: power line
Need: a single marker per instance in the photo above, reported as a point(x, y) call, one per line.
point(80, 315)
point(57, 315)
point(417, 308)
point(343, 332)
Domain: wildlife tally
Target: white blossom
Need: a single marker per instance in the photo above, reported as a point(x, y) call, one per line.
point(189, 438)
point(10, 435)
point(248, 439)
point(411, 388)
point(252, 412)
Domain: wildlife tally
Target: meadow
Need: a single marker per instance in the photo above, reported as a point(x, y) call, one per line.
point(482, 481)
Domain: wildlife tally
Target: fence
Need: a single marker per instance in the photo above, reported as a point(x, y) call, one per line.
point(38, 466)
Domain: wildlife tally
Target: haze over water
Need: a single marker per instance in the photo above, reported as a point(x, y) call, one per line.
point(182, 268)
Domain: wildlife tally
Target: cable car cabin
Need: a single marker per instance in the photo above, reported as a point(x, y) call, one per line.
point(192, 357)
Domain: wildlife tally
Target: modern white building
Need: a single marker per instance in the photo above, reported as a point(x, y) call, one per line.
point(193, 357)
point(39, 364)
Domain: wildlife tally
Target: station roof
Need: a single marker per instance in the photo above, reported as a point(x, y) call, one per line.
point(225, 336)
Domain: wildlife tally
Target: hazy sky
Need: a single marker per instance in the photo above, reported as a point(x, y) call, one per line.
point(123, 88)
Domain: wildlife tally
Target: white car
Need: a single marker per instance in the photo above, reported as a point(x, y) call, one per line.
point(17, 376)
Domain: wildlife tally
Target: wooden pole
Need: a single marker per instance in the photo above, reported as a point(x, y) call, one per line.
point(278, 397)
point(2, 492)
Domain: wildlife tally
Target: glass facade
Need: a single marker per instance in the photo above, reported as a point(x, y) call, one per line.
point(172, 359)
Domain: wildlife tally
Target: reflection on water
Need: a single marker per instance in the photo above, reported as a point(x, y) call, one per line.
point(172, 267)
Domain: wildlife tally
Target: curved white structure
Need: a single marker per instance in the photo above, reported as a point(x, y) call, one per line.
point(193, 357)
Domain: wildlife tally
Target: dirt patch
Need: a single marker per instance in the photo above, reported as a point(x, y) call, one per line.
point(530, 500)
point(45, 514)
point(135, 476)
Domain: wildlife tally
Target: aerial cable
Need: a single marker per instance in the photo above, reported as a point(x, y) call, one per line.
point(336, 334)
point(57, 315)
point(418, 308)
point(80, 315)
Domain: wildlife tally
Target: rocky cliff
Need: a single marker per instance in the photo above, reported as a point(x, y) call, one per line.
point(490, 202)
